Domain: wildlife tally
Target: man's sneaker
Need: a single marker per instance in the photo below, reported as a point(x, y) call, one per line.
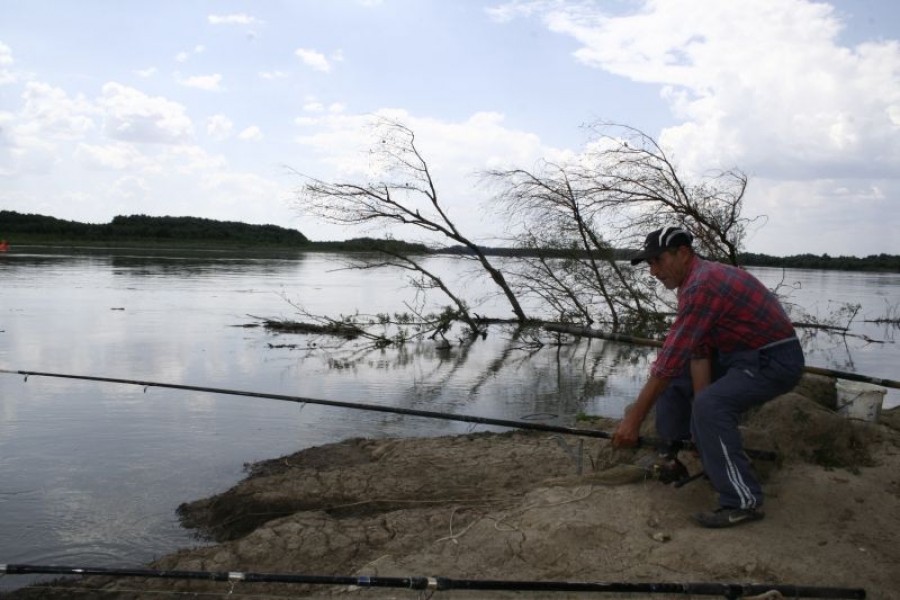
point(668, 470)
point(728, 517)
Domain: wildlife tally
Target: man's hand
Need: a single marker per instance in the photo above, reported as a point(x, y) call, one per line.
point(627, 433)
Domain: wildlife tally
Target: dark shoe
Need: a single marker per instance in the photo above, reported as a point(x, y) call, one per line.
point(728, 517)
point(668, 470)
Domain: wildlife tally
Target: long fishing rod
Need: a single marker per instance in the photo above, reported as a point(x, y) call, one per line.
point(596, 433)
point(629, 339)
point(726, 590)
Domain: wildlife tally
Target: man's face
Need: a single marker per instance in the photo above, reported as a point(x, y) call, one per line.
point(670, 267)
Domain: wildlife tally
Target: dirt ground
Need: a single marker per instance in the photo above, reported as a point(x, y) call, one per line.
point(514, 506)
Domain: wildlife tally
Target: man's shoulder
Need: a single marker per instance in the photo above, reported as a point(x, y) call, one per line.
point(711, 274)
point(713, 268)
point(702, 270)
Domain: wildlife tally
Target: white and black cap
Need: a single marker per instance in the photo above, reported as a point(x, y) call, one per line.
point(661, 240)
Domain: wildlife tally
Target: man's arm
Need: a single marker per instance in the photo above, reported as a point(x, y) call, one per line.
point(628, 431)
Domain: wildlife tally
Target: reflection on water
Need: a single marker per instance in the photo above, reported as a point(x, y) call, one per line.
point(91, 472)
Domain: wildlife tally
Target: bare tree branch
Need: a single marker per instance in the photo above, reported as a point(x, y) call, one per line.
point(404, 193)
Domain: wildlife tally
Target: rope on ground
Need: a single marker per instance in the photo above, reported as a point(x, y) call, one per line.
point(501, 524)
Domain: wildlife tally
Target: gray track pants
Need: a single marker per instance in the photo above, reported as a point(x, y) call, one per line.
point(742, 380)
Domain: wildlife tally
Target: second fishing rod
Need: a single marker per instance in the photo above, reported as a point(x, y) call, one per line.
point(526, 425)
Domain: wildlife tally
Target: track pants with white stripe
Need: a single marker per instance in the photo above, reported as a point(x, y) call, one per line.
point(742, 380)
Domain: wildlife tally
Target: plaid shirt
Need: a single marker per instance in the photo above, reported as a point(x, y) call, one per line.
point(720, 307)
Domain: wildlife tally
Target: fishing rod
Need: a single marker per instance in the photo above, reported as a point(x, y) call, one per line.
point(596, 433)
point(731, 591)
point(629, 339)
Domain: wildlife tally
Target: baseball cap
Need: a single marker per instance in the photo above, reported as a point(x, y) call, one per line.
point(661, 240)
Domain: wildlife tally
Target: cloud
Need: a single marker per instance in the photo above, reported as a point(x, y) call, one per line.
point(765, 85)
point(191, 159)
point(219, 127)
point(132, 116)
point(146, 73)
point(271, 75)
point(209, 83)
point(6, 58)
point(184, 55)
point(841, 217)
point(116, 156)
point(130, 189)
point(51, 113)
point(317, 60)
point(233, 19)
point(251, 134)
point(6, 61)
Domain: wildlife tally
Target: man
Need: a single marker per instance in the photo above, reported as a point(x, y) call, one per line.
point(731, 347)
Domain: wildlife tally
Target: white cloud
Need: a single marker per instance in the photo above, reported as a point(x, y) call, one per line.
point(189, 160)
point(219, 127)
point(146, 73)
point(6, 61)
point(314, 105)
point(272, 75)
point(6, 58)
point(209, 83)
point(130, 188)
point(313, 59)
point(764, 85)
point(184, 55)
point(52, 112)
point(251, 134)
point(511, 10)
point(132, 116)
point(116, 156)
point(827, 215)
point(234, 19)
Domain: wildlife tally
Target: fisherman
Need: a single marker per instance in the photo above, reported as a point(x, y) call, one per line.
point(730, 348)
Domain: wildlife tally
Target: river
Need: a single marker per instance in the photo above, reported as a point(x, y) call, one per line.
point(92, 472)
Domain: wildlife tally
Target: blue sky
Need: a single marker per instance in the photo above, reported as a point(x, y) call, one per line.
point(208, 108)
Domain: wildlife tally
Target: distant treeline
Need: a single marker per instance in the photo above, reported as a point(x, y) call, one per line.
point(27, 227)
point(18, 228)
point(873, 262)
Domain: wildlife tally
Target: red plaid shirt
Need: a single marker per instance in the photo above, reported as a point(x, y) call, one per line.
point(724, 308)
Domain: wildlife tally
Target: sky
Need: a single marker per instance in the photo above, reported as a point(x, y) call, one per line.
point(218, 108)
